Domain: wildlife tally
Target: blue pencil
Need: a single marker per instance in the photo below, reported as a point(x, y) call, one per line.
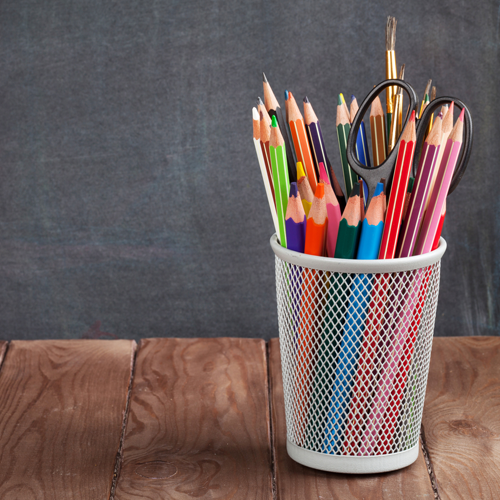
point(361, 142)
point(359, 298)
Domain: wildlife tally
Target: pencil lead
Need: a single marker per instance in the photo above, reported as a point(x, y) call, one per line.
point(412, 117)
point(306, 100)
point(342, 97)
point(260, 101)
point(293, 189)
point(461, 117)
point(274, 122)
point(339, 100)
point(353, 98)
point(264, 78)
point(286, 95)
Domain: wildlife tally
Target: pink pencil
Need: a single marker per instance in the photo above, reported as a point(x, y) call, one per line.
point(441, 186)
point(420, 191)
point(333, 211)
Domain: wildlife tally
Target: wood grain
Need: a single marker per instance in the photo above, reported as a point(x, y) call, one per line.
point(462, 417)
point(3, 350)
point(294, 481)
point(62, 405)
point(198, 425)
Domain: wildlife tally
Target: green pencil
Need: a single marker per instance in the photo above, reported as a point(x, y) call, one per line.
point(349, 227)
point(343, 129)
point(280, 176)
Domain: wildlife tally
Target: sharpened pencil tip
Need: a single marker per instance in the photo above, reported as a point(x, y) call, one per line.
point(264, 78)
point(293, 189)
point(306, 99)
point(462, 113)
point(274, 122)
point(339, 100)
point(412, 117)
point(286, 95)
point(260, 101)
point(353, 98)
point(342, 97)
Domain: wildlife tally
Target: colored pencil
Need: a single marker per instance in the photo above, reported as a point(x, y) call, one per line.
point(306, 193)
point(349, 347)
point(295, 221)
point(300, 141)
point(333, 211)
point(265, 134)
point(343, 129)
point(426, 96)
point(309, 322)
point(409, 189)
point(372, 226)
point(263, 169)
point(371, 234)
point(280, 176)
point(420, 191)
point(288, 131)
point(377, 127)
point(391, 71)
point(274, 109)
point(440, 227)
point(361, 143)
point(401, 175)
point(395, 129)
point(446, 129)
point(443, 180)
point(362, 186)
point(336, 186)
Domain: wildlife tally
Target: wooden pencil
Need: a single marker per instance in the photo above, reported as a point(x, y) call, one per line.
point(440, 227)
point(343, 129)
point(333, 212)
point(265, 134)
point(373, 226)
point(274, 109)
point(288, 131)
point(391, 71)
point(263, 169)
point(438, 196)
point(361, 144)
point(401, 175)
point(411, 181)
point(420, 191)
point(295, 221)
point(305, 190)
point(447, 127)
point(309, 323)
point(336, 186)
point(280, 176)
point(379, 137)
point(349, 226)
point(300, 140)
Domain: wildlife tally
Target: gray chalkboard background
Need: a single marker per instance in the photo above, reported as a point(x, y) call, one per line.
point(131, 202)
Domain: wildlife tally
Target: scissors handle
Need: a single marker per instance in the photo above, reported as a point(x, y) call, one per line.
point(466, 148)
point(372, 175)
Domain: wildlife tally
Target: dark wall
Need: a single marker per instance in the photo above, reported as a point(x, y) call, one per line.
point(131, 201)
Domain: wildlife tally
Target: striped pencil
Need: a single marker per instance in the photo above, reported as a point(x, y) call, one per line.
point(347, 240)
point(295, 221)
point(309, 323)
point(333, 212)
point(438, 196)
point(274, 109)
point(395, 207)
point(306, 193)
point(377, 127)
point(409, 189)
point(263, 169)
point(265, 134)
point(343, 129)
point(371, 234)
point(300, 141)
point(440, 227)
point(280, 176)
point(361, 142)
point(420, 191)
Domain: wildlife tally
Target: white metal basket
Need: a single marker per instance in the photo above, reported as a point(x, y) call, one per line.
point(355, 340)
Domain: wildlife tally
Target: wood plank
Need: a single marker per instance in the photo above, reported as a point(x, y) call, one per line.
point(3, 350)
point(199, 421)
point(294, 481)
point(461, 416)
point(61, 417)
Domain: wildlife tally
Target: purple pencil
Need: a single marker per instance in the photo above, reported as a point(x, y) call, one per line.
point(295, 221)
point(441, 187)
point(411, 225)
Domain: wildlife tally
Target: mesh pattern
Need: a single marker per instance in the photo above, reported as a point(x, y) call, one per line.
point(355, 353)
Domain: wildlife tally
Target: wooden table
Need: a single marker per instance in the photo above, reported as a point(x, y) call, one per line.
point(204, 418)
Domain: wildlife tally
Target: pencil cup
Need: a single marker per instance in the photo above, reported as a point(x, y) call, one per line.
point(355, 341)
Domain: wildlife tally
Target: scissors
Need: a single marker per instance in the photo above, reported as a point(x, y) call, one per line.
point(372, 175)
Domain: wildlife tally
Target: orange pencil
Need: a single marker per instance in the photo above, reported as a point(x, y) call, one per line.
point(309, 323)
point(265, 135)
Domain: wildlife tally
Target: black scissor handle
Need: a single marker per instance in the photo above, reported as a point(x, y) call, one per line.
point(371, 175)
point(466, 148)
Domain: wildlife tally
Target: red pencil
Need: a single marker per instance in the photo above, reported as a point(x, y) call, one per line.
point(398, 191)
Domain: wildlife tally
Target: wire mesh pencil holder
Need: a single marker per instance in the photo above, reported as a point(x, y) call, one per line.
point(355, 342)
